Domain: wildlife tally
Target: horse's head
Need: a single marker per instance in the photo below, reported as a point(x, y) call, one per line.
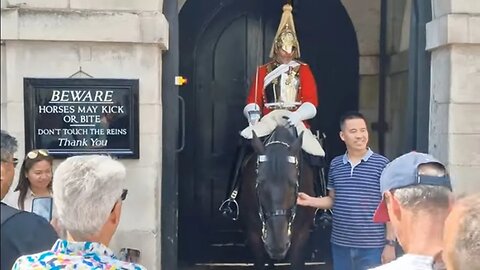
point(277, 188)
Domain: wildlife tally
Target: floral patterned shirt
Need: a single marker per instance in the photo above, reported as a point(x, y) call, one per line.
point(75, 255)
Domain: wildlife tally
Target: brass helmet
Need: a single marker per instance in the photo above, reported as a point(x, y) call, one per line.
point(286, 37)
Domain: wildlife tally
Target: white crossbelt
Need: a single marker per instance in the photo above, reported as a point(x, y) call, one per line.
point(279, 71)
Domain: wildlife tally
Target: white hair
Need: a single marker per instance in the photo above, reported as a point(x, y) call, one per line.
point(423, 198)
point(85, 189)
point(426, 197)
point(467, 243)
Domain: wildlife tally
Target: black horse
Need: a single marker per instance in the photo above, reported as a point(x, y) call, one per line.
point(271, 179)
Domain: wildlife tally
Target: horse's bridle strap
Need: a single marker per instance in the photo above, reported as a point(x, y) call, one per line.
point(281, 212)
point(277, 142)
point(290, 159)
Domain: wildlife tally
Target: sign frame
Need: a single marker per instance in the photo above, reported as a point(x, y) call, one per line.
point(32, 85)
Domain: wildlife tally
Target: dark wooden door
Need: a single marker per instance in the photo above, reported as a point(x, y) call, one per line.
point(225, 54)
point(221, 43)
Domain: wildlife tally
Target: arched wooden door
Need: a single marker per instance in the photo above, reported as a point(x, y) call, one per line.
point(221, 43)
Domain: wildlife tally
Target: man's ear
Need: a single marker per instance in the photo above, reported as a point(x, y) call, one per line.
point(114, 217)
point(394, 205)
point(451, 203)
point(342, 136)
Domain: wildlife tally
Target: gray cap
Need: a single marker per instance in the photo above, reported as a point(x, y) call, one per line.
point(403, 172)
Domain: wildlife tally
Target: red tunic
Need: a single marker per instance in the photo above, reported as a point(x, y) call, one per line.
point(307, 88)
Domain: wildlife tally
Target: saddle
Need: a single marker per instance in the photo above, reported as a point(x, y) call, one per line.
point(269, 122)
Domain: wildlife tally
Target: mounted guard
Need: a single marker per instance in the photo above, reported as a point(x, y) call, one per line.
point(283, 92)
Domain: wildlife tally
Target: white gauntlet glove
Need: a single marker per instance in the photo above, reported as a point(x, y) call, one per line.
point(252, 113)
point(306, 111)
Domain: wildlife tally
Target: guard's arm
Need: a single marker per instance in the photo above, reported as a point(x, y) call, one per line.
point(255, 94)
point(306, 111)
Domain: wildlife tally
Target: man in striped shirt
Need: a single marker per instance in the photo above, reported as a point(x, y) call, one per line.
point(354, 193)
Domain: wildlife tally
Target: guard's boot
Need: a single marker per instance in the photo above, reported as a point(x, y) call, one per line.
point(229, 207)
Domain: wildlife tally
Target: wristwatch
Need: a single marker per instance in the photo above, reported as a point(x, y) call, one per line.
point(390, 242)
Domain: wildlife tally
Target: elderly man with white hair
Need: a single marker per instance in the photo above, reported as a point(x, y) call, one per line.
point(88, 192)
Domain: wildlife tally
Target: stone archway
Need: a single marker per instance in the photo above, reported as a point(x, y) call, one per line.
point(221, 43)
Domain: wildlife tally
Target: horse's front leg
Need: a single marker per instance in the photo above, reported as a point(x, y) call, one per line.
point(298, 248)
point(256, 246)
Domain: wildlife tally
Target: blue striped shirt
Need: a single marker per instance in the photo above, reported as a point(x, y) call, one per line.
point(357, 195)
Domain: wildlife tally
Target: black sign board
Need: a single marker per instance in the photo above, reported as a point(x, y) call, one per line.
point(82, 116)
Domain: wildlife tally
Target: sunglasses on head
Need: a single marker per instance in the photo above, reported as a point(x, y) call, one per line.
point(34, 153)
point(124, 194)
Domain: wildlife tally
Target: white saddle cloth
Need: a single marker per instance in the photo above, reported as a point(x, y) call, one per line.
point(269, 122)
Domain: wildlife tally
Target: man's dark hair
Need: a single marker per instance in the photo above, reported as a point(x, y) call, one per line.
point(351, 115)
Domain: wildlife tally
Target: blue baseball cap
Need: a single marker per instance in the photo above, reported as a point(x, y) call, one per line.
point(403, 172)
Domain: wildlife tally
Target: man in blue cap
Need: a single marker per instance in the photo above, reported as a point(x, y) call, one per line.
point(417, 196)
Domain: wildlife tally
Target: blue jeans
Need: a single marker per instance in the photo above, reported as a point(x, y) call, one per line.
point(347, 258)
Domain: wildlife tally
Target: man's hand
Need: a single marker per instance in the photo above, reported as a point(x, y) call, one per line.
point(388, 254)
point(304, 199)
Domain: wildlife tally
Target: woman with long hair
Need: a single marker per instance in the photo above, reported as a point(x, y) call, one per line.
point(35, 179)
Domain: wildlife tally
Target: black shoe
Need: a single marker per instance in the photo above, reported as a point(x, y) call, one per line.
point(229, 209)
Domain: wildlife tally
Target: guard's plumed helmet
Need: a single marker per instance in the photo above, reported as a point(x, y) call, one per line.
point(286, 37)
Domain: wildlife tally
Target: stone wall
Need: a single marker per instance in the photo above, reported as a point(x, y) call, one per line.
point(107, 39)
point(365, 16)
point(454, 40)
point(366, 20)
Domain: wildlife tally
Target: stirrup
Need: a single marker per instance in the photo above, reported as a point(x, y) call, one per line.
point(229, 209)
point(323, 218)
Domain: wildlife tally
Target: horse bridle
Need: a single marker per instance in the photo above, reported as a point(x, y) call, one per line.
point(264, 216)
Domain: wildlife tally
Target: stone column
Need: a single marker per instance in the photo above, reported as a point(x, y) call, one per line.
point(453, 37)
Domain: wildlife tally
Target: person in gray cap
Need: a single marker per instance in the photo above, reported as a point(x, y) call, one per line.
point(417, 195)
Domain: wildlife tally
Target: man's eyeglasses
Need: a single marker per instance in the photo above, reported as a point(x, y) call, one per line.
point(123, 197)
point(124, 194)
point(34, 153)
point(14, 161)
